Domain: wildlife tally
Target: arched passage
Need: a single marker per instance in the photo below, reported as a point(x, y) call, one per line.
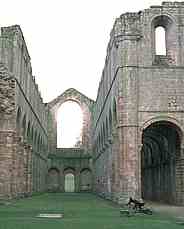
point(85, 180)
point(53, 179)
point(159, 155)
point(69, 180)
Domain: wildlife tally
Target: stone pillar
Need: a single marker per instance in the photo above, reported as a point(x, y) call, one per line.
point(6, 163)
point(115, 164)
point(129, 174)
point(77, 181)
point(29, 171)
point(62, 181)
point(180, 178)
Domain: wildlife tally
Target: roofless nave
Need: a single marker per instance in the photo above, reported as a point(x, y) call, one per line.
point(132, 138)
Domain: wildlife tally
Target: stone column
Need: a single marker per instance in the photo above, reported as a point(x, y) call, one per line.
point(180, 178)
point(6, 163)
point(29, 170)
point(129, 174)
point(62, 181)
point(77, 181)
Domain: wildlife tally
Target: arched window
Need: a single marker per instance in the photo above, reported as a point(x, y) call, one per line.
point(164, 36)
point(160, 40)
point(69, 125)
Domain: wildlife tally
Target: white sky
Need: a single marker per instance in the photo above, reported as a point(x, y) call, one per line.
point(67, 41)
point(69, 124)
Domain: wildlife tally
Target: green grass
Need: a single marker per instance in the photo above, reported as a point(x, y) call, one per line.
point(81, 211)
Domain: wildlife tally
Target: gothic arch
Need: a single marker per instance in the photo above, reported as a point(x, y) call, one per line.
point(69, 179)
point(85, 179)
point(168, 119)
point(86, 106)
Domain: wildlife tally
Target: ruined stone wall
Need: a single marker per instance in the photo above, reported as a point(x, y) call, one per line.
point(86, 106)
point(70, 160)
point(147, 88)
point(27, 126)
point(140, 91)
point(105, 128)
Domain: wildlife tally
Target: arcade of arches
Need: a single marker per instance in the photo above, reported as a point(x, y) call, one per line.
point(132, 136)
point(160, 154)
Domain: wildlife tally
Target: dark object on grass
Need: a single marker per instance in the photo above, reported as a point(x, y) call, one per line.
point(137, 204)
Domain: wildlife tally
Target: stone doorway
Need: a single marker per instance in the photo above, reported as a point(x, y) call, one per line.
point(69, 182)
point(85, 180)
point(53, 180)
point(159, 158)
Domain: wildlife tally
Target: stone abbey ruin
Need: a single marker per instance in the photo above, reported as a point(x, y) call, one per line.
point(132, 135)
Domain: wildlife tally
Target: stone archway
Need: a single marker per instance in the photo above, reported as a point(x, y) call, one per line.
point(160, 154)
point(69, 180)
point(85, 104)
point(53, 180)
point(85, 180)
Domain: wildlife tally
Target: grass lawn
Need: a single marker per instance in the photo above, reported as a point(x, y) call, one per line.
point(81, 211)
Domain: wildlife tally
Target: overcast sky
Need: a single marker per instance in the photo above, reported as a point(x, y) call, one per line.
point(67, 40)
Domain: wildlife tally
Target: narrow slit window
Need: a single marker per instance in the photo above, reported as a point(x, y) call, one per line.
point(160, 41)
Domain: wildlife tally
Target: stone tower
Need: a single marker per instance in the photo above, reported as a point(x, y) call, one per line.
point(138, 115)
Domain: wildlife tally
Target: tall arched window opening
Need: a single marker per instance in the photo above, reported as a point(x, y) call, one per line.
point(160, 40)
point(69, 125)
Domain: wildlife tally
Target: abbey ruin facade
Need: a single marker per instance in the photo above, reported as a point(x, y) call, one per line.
point(132, 135)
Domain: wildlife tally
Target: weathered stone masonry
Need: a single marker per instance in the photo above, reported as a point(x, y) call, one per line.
point(73, 160)
point(23, 126)
point(139, 107)
point(132, 139)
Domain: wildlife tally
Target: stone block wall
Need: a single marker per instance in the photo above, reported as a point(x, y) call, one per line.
point(23, 124)
point(145, 91)
point(139, 105)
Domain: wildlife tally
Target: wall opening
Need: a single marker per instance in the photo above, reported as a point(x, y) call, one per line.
point(161, 148)
point(53, 180)
point(85, 180)
point(160, 40)
point(69, 125)
point(164, 36)
point(69, 182)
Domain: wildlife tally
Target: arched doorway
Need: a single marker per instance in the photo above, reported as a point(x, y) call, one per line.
point(85, 180)
point(69, 182)
point(159, 154)
point(53, 180)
